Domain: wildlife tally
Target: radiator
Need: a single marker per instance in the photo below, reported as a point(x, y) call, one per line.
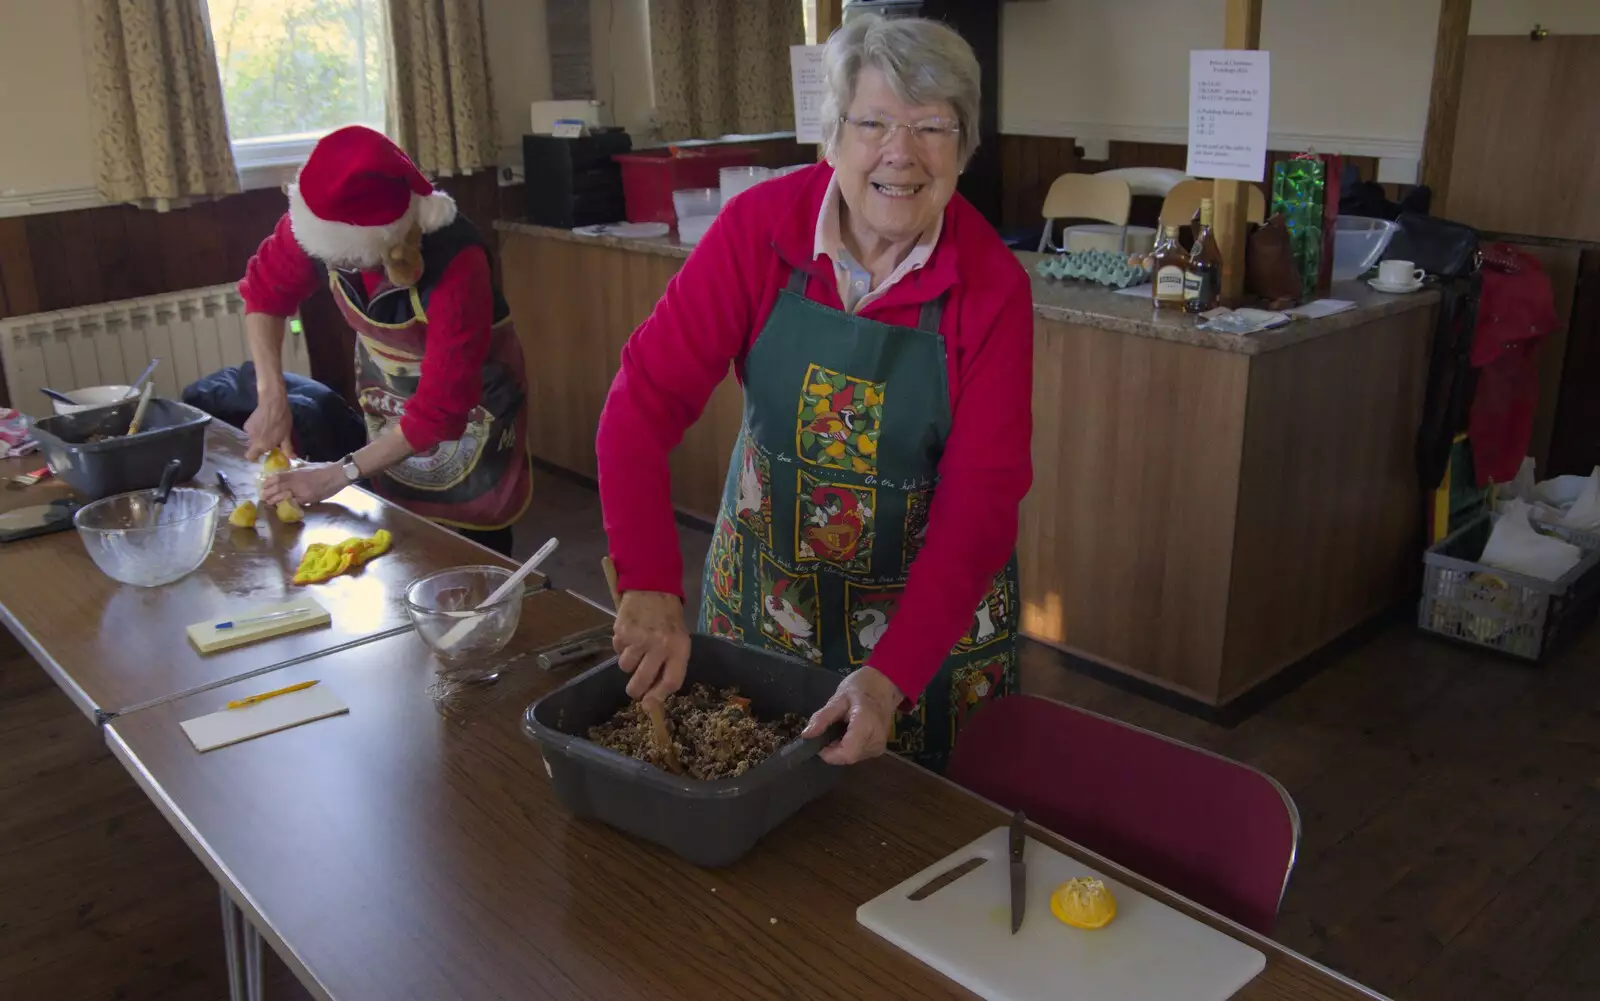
point(194, 333)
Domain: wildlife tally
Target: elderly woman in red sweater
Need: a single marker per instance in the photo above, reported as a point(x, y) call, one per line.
point(439, 371)
point(883, 335)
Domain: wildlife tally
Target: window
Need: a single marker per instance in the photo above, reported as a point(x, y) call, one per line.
point(294, 70)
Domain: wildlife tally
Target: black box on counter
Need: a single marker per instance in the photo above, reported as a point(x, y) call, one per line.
point(574, 181)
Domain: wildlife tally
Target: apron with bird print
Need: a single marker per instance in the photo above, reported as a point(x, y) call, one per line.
point(826, 504)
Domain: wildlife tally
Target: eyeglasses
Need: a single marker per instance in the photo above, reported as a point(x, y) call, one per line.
point(929, 133)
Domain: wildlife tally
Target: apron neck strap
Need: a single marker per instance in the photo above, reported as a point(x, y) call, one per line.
point(927, 321)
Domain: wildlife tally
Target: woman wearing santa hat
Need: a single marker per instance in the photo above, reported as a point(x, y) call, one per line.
point(439, 369)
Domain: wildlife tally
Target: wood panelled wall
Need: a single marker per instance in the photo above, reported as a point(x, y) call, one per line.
point(1029, 164)
point(60, 260)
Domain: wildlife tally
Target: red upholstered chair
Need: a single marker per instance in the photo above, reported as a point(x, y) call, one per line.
point(1216, 831)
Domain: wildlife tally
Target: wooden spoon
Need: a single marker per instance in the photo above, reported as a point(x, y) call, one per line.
point(660, 735)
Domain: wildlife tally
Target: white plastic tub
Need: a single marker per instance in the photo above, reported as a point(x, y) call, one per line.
point(1358, 242)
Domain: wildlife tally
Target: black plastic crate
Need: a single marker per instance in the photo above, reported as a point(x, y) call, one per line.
point(710, 824)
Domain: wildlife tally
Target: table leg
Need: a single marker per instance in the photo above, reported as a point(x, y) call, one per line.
point(254, 988)
point(232, 919)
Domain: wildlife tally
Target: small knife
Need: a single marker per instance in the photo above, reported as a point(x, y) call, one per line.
point(226, 488)
point(1019, 871)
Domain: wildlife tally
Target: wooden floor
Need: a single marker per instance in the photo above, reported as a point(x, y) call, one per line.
point(1450, 804)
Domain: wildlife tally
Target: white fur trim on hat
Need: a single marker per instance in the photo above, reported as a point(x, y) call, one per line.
point(344, 245)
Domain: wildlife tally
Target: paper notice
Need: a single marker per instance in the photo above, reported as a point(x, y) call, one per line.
point(1229, 99)
point(805, 68)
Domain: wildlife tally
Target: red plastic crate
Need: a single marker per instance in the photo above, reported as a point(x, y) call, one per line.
point(649, 177)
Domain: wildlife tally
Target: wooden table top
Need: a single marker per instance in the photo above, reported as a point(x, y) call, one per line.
point(393, 853)
point(114, 647)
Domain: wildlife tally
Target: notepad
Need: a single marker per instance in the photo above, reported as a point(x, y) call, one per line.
point(207, 638)
point(230, 726)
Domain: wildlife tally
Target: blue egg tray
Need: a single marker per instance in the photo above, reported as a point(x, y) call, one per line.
point(1103, 267)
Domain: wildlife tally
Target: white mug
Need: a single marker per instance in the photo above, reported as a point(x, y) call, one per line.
point(1399, 273)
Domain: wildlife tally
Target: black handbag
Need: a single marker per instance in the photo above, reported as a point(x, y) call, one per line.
point(1438, 246)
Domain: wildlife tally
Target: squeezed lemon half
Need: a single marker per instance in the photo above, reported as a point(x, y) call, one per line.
point(1083, 903)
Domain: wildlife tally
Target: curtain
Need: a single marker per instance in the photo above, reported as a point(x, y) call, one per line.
point(722, 66)
point(160, 129)
point(442, 111)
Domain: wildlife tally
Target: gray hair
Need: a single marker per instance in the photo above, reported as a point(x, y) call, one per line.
point(925, 62)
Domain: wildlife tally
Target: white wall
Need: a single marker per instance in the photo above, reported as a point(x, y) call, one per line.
point(1517, 17)
point(519, 67)
point(44, 108)
point(622, 82)
point(1350, 77)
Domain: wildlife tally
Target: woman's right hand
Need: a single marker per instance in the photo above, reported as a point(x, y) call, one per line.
point(271, 426)
point(652, 643)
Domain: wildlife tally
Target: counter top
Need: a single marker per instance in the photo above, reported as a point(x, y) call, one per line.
point(1094, 306)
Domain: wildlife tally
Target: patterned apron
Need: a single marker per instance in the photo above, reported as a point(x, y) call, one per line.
point(481, 481)
point(826, 504)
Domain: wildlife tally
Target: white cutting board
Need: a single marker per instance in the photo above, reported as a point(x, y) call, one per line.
point(1149, 953)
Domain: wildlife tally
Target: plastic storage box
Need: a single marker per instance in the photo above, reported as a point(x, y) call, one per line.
point(1521, 616)
point(649, 177)
point(120, 464)
point(710, 824)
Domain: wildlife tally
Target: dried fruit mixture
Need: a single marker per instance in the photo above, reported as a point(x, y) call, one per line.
point(714, 732)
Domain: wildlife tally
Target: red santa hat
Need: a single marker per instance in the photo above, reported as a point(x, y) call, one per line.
point(357, 195)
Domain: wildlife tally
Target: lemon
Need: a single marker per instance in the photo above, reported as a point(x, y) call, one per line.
point(1083, 903)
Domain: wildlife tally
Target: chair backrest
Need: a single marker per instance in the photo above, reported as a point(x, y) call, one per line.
point(1216, 831)
point(1089, 196)
point(1183, 201)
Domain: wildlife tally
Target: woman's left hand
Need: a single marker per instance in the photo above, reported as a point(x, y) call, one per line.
point(866, 702)
point(306, 485)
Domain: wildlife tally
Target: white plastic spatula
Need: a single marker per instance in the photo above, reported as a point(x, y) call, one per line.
point(461, 630)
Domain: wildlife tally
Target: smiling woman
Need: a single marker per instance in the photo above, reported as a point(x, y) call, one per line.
point(883, 335)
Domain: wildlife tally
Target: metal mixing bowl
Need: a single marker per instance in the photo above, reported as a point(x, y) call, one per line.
point(444, 608)
point(120, 538)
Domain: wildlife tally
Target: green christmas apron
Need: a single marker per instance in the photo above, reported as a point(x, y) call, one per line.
point(826, 504)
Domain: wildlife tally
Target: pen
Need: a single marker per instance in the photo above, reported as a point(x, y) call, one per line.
point(252, 700)
point(235, 623)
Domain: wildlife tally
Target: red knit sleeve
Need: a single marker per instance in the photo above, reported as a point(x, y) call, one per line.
point(986, 470)
point(670, 366)
point(280, 276)
point(460, 313)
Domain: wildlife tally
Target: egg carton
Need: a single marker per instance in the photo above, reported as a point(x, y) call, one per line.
point(1104, 267)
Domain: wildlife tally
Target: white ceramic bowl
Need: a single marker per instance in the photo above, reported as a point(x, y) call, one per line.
point(90, 397)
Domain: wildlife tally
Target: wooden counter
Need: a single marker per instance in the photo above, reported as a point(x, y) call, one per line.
point(1207, 508)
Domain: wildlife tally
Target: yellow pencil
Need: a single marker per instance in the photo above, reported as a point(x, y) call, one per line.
point(252, 700)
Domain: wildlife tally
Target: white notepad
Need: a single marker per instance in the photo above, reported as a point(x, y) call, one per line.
point(230, 726)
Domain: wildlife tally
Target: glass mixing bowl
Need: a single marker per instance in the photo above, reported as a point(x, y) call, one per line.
point(444, 608)
point(120, 538)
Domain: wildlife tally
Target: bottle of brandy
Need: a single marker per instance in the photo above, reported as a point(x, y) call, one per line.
point(1170, 264)
point(1202, 280)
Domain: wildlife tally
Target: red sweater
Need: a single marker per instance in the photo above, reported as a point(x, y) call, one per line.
point(709, 317)
point(460, 312)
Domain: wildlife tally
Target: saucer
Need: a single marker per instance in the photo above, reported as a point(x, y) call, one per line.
point(1393, 289)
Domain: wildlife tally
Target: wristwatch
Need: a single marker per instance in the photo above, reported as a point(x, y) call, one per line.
point(352, 472)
